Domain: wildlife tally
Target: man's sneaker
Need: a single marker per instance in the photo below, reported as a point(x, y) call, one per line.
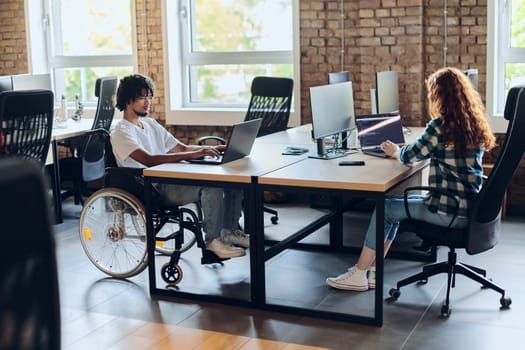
point(224, 250)
point(354, 279)
point(372, 278)
point(237, 238)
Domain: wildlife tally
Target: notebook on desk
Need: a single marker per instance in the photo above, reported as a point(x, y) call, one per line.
point(239, 145)
point(373, 129)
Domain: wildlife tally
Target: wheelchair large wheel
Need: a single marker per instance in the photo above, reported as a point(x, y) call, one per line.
point(113, 232)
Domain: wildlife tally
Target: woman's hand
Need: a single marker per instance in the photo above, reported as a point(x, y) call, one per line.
point(390, 148)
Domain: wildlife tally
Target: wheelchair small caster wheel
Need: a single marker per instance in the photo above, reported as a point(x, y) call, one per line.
point(505, 303)
point(171, 274)
point(274, 220)
point(445, 311)
point(394, 293)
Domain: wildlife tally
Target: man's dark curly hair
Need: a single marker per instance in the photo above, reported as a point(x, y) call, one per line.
point(131, 87)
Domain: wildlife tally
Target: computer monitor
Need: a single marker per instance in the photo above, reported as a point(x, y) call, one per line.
point(332, 113)
point(32, 81)
point(386, 93)
point(6, 83)
point(338, 77)
point(472, 75)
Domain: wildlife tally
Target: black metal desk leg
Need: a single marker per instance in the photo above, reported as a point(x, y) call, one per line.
point(57, 199)
point(380, 234)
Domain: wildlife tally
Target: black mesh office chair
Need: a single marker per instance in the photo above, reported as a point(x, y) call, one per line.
point(29, 298)
point(483, 230)
point(87, 161)
point(271, 99)
point(26, 123)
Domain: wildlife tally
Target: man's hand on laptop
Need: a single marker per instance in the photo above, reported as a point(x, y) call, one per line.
point(208, 151)
point(390, 148)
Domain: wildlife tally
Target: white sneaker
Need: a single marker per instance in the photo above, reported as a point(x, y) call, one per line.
point(237, 238)
point(372, 278)
point(224, 250)
point(354, 279)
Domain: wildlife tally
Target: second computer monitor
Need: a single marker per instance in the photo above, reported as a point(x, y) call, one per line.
point(387, 92)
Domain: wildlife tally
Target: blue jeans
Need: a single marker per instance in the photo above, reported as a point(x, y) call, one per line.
point(395, 212)
point(221, 208)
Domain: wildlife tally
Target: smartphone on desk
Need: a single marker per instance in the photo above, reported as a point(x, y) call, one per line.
point(351, 162)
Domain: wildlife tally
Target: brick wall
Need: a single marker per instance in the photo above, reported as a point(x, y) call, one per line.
point(13, 51)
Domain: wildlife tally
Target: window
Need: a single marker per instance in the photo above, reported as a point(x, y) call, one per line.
point(506, 54)
point(216, 47)
point(85, 40)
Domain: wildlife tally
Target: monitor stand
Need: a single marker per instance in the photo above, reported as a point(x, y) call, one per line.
point(323, 154)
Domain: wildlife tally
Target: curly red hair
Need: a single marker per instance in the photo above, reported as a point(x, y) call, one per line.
point(452, 98)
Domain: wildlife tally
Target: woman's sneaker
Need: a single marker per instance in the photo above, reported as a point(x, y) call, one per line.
point(372, 278)
point(354, 279)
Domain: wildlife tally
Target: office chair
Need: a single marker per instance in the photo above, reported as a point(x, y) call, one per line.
point(29, 297)
point(271, 99)
point(26, 123)
point(483, 230)
point(87, 161)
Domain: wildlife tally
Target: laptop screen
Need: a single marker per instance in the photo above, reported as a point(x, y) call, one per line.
point(374, 129)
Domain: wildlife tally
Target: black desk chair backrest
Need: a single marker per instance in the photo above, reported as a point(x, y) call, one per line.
point(484, 230)
point(93, 153)
point(26, 123)
point(29, 297)
point(105, 90)
point(271, 100)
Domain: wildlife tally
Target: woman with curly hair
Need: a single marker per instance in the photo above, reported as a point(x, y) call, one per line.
point(454, 141)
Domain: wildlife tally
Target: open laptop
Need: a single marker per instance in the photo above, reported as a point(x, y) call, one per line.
point(373, 129)
point(240, 144)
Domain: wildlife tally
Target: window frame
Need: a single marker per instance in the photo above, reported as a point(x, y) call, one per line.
point(498, 53)
point(173, 73)
point(40, 17)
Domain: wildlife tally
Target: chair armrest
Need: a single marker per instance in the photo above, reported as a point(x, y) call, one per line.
point(434, 190)
point(204, 139)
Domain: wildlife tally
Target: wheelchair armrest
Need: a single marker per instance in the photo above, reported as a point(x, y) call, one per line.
point(204, 139)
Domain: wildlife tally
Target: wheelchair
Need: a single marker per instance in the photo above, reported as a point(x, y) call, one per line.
point(113, 227)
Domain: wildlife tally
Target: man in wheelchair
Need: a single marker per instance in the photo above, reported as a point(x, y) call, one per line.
point(139, 141)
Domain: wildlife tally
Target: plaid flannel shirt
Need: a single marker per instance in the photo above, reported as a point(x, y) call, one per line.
point(462, 175)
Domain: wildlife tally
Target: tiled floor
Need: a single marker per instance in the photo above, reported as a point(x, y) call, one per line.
point(104, 313)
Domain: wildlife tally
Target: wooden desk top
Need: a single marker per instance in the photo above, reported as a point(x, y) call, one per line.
point(377, 175)
point(264, 158)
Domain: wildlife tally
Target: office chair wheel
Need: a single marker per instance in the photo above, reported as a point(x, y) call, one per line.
point(505, 302)
point(445, 310)
point(394, 293)
point(274, 219)
point(171, 274)
point(113, 232)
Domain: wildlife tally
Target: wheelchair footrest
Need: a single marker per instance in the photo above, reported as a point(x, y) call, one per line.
point(209, 257)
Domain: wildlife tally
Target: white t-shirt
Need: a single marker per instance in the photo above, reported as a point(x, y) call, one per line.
point(128, 137)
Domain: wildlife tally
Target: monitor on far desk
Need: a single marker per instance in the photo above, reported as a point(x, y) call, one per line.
point(332, 113)
point(385, 97)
